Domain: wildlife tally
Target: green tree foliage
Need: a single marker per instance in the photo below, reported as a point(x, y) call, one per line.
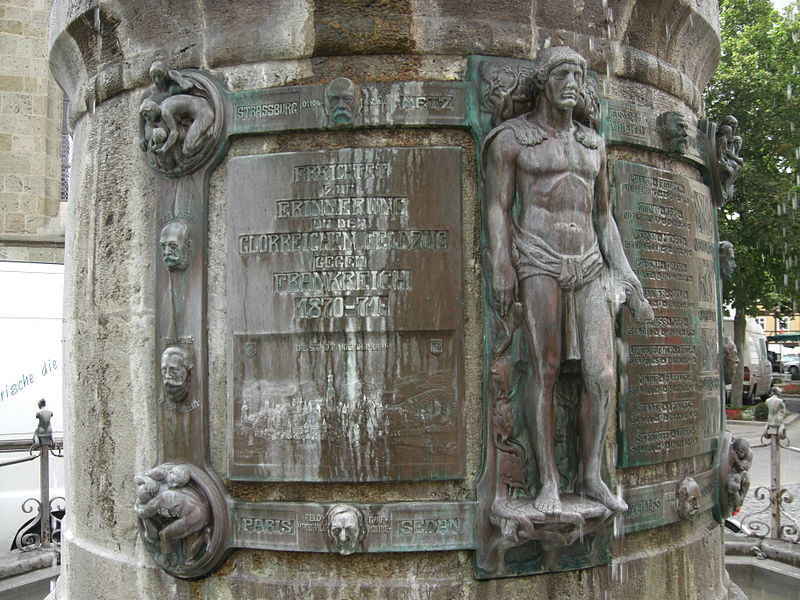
point(758, 81)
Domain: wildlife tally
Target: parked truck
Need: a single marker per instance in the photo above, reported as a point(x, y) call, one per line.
point(757, 367)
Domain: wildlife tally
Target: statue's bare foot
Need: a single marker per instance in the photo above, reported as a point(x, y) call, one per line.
point(548, 501)
point(599, 491)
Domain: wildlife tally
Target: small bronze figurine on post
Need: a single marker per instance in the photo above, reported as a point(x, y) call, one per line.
point(43, 436)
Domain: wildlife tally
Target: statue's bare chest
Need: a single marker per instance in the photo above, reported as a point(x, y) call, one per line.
point(557, 156)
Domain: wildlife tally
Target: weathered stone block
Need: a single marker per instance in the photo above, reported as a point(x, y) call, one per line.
point(34, 223)
point(13, 83)
point(14, 223)
point(9, 202)
point(10, 26)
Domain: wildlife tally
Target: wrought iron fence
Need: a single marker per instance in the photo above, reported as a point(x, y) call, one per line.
point(773, 521)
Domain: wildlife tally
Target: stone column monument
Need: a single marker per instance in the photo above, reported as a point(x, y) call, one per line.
point(412, 299)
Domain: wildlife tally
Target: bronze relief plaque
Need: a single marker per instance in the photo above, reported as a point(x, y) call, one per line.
point(671, 386)
point(345, 315)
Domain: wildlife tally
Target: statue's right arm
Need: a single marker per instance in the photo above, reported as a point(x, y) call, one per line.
point(149, 509)
point(500, 187)
point(172, 127)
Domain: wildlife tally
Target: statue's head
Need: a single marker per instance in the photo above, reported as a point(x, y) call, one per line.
point(178, 476)
point(159, 74)
point(345, 527)
point(741, 447)
point(341, 101)
point(158, 136)
point(730, 121)
point(42, 403)
point(727, 259)
point(150, 111)
point(687, 498)
point(731, 359)
point(146, 488)
point(559, 75)
point(176, 371)
point(176, 245)
point(675, 129)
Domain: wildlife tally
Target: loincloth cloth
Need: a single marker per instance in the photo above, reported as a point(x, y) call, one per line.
point(533, 256)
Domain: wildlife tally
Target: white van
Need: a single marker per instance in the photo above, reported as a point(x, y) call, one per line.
point(757, 368)
point(31, 315)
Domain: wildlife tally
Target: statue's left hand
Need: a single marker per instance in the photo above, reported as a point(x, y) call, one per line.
point(640, 307)
point(634, 298)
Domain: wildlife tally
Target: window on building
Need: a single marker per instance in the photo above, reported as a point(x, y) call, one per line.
point(783, 324)
point(762, 321)
point(66, 151)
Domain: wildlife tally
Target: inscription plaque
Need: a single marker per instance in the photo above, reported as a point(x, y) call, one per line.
point(410, 103)
point(655, 505)
point(671, 392)
point(626, 123)
point(394, 527)
point(345, 315)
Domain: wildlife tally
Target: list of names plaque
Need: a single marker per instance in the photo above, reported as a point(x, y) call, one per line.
point(670, 397)
point(345, 315)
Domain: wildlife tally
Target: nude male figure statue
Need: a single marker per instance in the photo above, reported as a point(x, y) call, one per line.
point(561, 255)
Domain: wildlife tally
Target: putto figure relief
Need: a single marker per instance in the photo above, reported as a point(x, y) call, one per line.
point(557, 271)
point(166, 117)
point(168, 82)
point(730, 163)
point(345, 527)
point(180, 120)
point(175, 517)
point(740, 458)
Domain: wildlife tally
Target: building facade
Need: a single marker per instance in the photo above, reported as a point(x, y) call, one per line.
point(32, 172)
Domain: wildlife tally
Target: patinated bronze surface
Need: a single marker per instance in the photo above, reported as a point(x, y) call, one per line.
point(181, 119)
point(350, 528)
point(183, 518)
point(687, 498)
point(345, 318)
point(670, 407)
point(636, 125)
point(726, 160)
point(735, 460)
point(674, 131)
point(665, 502)
point(344, 103)
point(557, 267)
point(345, 315)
